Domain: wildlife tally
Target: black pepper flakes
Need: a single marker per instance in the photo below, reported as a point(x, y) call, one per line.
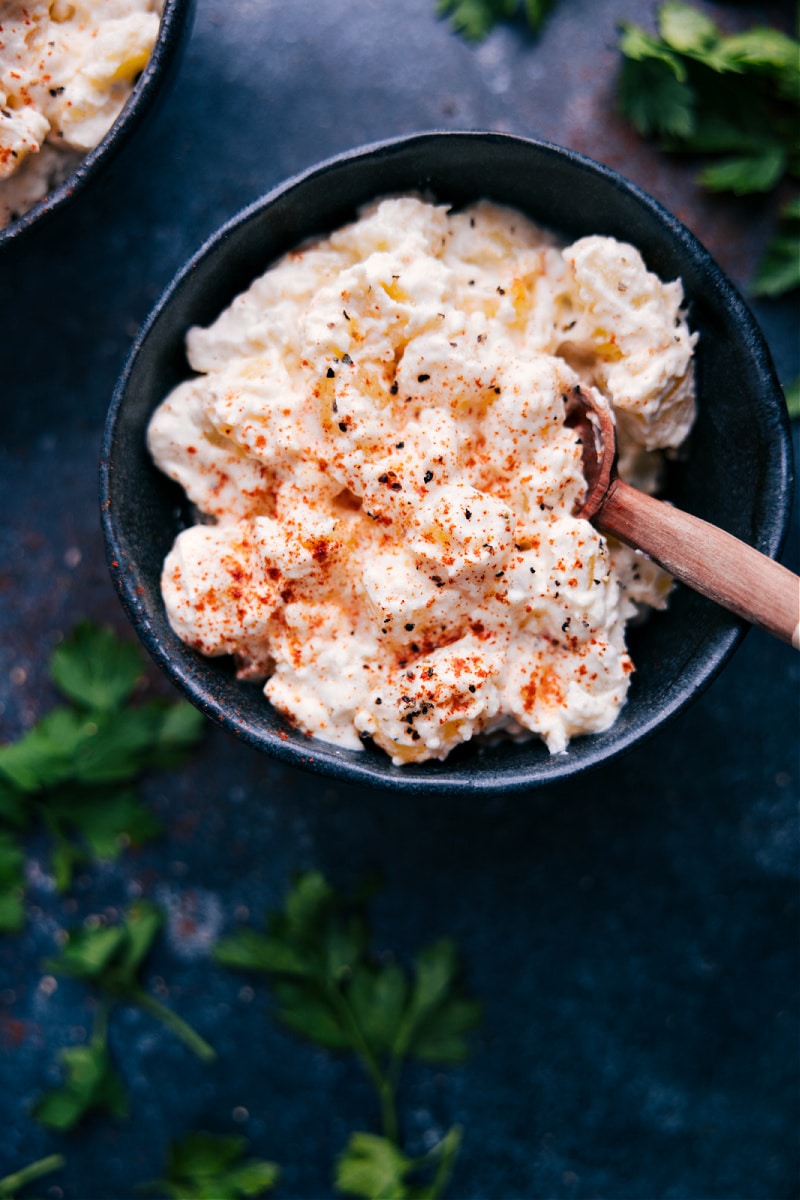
point(410, 626)
point(330, 374)
point(347, 360)
point(423, 378)
point(428, 477)
point(393, 390)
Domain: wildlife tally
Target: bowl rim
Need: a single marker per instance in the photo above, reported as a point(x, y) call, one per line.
point(173, 33)
point(325, 758)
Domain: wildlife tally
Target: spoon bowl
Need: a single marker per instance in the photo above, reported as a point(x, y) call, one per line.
point(708, 559)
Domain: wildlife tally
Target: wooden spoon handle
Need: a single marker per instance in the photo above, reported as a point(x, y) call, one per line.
point(708, 559)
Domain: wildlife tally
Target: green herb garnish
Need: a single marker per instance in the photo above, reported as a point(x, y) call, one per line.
point(12, 859)
point(90, 1083)
point(474, 19)
point(792, 393)
point(110, 958)
point(701, 92)
point(779, 271)
point(72, 772)
point(331, 987)
point(375, 1168)
point(732, 100)
point(209, 1166)
point(11, 1185)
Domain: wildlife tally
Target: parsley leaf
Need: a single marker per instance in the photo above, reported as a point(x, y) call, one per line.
point(45, 756)
point(687, 30)
point(373, 1167)
point(654, 98)
point(701, 92)
point(10, 1185)
point(71, 773)
point(792, 393)
point(474, 19)
point(106, 818)
point(779, 270)
point(90, 1083)
point(209, 1166)
point(330, 986)
point(13, 806)
point(12, 913)
point(94, 669)
point(755, 172)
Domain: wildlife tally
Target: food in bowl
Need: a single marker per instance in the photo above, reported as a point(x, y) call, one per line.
point(375, 443)
point(67, 67)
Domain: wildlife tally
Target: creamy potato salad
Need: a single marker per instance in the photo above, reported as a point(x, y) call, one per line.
point(375, 440)
point(66, 69)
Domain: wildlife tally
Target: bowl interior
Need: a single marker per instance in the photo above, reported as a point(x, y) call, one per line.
point(736, 474)
point(173, 33)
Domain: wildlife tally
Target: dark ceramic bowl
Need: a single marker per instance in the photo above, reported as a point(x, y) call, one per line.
point(173, 33)
point(737, 473)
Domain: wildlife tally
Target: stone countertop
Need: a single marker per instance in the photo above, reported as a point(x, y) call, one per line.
point(633, 934)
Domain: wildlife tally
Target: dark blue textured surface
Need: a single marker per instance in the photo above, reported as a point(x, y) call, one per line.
point(634, 934)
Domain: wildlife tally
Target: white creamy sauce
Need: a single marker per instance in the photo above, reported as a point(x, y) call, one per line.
point(66, 69)
point(376, 437)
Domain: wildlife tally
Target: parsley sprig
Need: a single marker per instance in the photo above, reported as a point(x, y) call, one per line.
point(701, 92)
point(474, 19)
point(72, 774)
point(733, 100)
point(110, 958)
point(331, 987)
point(209, 1166)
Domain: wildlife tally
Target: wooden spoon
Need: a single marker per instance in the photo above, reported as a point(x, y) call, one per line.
point(713, 562)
